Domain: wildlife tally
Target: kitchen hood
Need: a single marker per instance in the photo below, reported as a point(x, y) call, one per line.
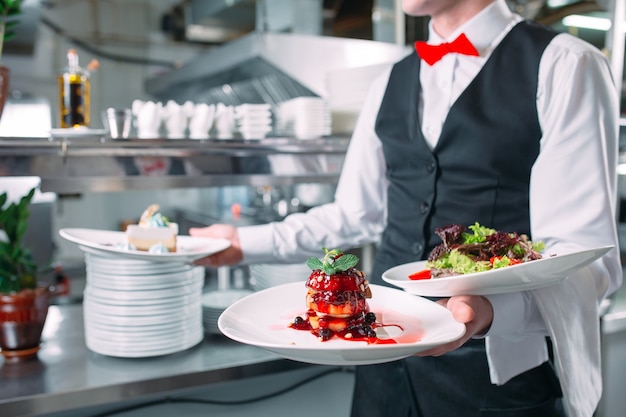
point(270, 68)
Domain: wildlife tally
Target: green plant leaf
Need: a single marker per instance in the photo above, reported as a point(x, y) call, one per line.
point(9, 9)
point(11, 6)
point(17, 267)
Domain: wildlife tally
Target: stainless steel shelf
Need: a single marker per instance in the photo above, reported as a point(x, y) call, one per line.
point(74, 165)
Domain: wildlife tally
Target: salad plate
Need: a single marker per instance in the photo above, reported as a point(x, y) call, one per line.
point(262, 319)
point(531, 275)
point(104, 242)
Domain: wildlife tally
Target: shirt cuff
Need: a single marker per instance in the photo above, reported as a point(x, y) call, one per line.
point(255, 241)
point(515, 316)
point(508, 312)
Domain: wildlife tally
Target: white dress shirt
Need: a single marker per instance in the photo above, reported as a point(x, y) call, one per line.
point(572, 200)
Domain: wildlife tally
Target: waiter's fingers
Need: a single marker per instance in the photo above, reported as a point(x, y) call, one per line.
point(229, 256)
point(461, 310)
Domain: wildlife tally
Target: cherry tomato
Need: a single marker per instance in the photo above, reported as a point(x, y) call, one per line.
point(512, 261)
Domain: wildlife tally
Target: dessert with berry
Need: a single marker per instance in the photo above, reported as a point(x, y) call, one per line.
point(154, 233)
point(336, 299)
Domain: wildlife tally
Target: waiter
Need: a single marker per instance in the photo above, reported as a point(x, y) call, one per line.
point(504, 123)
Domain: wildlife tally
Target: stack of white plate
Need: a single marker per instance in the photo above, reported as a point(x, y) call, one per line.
point(304, 118)
point(215, 302)
point(253, 121)
point(135, 308)
point(348, 87)
point(264, 276)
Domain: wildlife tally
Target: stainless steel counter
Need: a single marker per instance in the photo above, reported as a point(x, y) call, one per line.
point(67, 376)
point(95, 164)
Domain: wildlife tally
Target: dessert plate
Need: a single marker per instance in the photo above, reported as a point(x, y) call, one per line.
point(543, 272)
point(103, 242)
point(262, 319)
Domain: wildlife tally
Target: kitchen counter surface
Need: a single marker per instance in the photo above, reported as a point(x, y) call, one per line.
point(67, 376)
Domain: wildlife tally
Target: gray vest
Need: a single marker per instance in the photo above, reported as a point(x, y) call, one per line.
point(480, 169)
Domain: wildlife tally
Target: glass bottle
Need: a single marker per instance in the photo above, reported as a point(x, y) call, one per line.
point(74, 93)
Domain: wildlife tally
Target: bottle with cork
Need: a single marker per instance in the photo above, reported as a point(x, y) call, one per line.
point(75, 92)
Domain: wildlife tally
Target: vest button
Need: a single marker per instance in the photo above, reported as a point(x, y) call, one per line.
point(417, 248)
point(431, 167)
point(424, 207)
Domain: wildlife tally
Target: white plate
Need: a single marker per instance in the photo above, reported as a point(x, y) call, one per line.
point(139, 311)
point(166, 278)
point(94, 294)
point(189, 248)
point(143, 282)
point(74, 132)
point(262, 320)
point(98, 346)
point(113, 264)
point(526, 276)
point(157, 294)
point(155, 269)
point(170, 328)
point(119, 334)
point(135, 311)
point(94, 315)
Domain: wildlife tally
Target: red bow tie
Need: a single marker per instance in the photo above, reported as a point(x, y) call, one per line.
point(433, 53)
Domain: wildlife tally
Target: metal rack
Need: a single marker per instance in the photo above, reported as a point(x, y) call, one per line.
point(95, 164)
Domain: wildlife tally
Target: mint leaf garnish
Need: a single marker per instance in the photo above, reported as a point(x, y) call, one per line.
point(314, 263)
point(346, 262)
point(334, 261)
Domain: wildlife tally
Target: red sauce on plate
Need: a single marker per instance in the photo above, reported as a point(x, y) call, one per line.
point(359, 328)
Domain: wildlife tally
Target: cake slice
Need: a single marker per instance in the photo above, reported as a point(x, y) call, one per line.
point(153, 229)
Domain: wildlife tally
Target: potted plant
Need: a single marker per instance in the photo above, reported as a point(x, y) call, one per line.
point(23, 302)
point(8, 10)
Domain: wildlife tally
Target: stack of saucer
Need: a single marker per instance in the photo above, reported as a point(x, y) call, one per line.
point(215, 302)
point(264, 276)
point(348, 87)
point(224, 122)
point(304, 118)
point(254, 121)
point(135, 308)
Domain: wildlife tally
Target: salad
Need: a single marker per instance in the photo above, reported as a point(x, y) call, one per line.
point(477, 248)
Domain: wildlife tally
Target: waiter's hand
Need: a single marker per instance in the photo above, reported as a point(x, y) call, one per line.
point(229, 256)
point(474, 311)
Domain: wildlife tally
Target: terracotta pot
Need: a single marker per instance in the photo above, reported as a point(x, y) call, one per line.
point(22, 317)
point(4, 87)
